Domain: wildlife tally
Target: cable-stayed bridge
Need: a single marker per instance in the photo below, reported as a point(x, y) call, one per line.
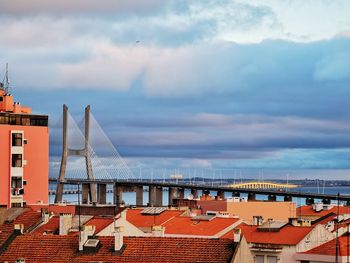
point(91, 161)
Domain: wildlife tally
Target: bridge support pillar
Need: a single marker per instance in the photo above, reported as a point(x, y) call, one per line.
point(85, 193)
point(220, 194)
point(236, 194)
point(309, 201)
point(159, 196)
point(85, 152)
point(251, 196)
point(139, 195)
point(180, 193)
point(118, 194)
point(194, 192)
point(287, 198)
point(151, 195)
point(172, 194)
point(205, 192)
point(326, 201)
point(272, 198)
point(101, 193)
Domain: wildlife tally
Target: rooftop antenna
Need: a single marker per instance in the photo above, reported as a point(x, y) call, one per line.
point(7, 80)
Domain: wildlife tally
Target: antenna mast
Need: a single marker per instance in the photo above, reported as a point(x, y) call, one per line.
point(7, 80)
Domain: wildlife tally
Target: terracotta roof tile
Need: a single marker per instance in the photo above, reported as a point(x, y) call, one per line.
point(51, 248)
point(135, 217)
point(307, 210)
point(186, 226)
point(28, 218)
point(51, 226)
point(329, 248)
point(100, 222)
point(288, 235)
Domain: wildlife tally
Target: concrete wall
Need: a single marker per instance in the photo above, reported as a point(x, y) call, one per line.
point(242, 253)
point(129, 229)
point(278, 211)
point(36, 169)
point(36, 172)
point(5, 164)
point(317, 236)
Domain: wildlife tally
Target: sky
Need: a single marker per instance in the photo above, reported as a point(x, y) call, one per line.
point(261, 85)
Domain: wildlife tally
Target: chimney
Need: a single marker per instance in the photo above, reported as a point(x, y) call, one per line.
point(45, 215)
point(158, 231)
point(19, 228)
point(318, 207)
point(257, 220)
point(84, 235)
point(65, 223)
point(237, 235)
point(118, 238)
point(293, 221)
point(20, 260)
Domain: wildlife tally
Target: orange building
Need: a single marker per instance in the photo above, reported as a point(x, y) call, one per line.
point(24, 154)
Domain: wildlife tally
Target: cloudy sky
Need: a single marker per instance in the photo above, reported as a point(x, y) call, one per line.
point(258, 84)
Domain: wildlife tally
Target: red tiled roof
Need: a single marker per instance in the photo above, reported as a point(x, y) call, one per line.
point(307, 210)
point(51, 226)
point(135, 217)
point(28, 218)
point(51, 248)
point(329, 248)
point(288, 235)
point(186, 226)
point(100, 223)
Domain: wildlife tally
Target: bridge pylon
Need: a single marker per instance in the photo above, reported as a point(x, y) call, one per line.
point(84, 152)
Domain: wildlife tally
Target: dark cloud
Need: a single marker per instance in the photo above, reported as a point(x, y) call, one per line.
point(86, 7)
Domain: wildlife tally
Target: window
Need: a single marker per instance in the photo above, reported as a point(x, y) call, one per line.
point(16, 182)
point(16, 205)
point(23, 119)
point(16, 160)
point(271, 259)
point(1, 98)
point(16, 139)
point(259, 258)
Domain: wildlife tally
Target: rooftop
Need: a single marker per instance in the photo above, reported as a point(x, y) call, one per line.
point(135, 217)
point(329, 248)
point(287, 235)
point(138, 249)
point(182, 225)
point(28, 218)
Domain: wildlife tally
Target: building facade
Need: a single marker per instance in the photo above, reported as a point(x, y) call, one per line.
point(24, 155)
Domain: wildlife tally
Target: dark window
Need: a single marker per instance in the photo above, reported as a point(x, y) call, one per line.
point(1, 98)
point(16, 160)
point(4, 119)
point(16, 205)
point(16, 182)
point(24, 119)
point(16, 139)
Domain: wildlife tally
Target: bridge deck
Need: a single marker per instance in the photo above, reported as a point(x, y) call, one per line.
point(212, 188)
